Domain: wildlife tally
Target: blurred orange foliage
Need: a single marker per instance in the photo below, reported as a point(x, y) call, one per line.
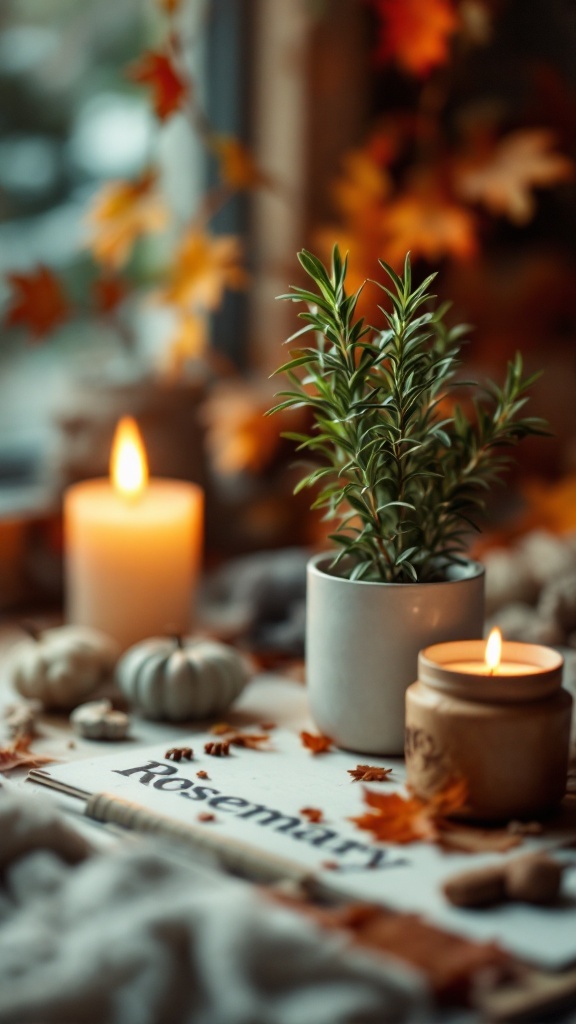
point(38, 302)
point(157, 71)
point(415, 35)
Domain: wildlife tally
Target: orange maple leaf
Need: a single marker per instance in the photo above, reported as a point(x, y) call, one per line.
point(502, 176)
point(156, 70)
point(240, 438)
point(363, 186)
point(369, 773)
point(238, 169)
point(18, 755)
point(204, 266)
point(316, 743)
point(313, 814)
point(120, 213)
point(428, 223)
point(415, 35)
point(38, 302)
point(398, 819)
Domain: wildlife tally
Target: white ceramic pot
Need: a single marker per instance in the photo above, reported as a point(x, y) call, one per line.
point(362, 644)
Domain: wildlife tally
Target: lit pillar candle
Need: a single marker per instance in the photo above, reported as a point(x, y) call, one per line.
point(132, 547)
point(495, 716)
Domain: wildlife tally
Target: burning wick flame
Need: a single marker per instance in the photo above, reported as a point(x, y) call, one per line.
point(128, 464)
point(493, 651)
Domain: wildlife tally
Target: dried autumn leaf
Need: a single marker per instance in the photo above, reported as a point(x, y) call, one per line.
point(415, 35)
point(157, 71)
point(313, 814)
point(220, 728)
point(204, 266)
point(38, 302)
point(251, 740)
point(238, 169)
point(169, 6)
point(398, 819)
point(120, 213)
point(503, 177)
point(369, 773)
point(18, 755)
point(316, 743)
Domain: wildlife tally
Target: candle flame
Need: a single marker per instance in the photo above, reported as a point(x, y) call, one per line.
point(493, 651)
point(128, 463)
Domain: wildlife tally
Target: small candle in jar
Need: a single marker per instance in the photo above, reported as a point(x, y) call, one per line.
point(132, 547)
point(500, 724)
point(492, 664)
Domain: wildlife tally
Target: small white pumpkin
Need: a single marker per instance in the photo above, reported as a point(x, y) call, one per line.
point(62, 666)
point(179, 678)
point(97, 720)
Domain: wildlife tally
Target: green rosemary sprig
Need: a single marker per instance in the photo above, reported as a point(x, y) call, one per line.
point(399, 466)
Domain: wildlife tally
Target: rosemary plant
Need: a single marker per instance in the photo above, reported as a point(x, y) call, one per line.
point(398, 463)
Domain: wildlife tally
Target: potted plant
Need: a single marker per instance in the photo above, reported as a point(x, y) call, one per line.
point(402, 468)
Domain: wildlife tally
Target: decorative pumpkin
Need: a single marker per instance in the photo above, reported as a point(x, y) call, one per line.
point(61, 667)
point(180, 678)
point(97, 720)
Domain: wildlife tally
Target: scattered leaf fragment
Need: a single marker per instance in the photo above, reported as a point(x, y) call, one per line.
point(316, 743)
point(18, 755)
point(251, 740)
point(234, 737)
point(267, 726)
point(202, 774)
point(369, 773)
point(313, 814)
point(206, 816)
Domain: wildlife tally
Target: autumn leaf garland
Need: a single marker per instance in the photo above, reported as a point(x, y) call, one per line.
point(202, 267)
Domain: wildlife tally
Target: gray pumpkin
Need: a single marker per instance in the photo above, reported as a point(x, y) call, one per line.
point(178, 678)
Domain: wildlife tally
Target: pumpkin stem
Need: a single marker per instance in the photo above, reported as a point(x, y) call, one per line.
point(179, 641)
